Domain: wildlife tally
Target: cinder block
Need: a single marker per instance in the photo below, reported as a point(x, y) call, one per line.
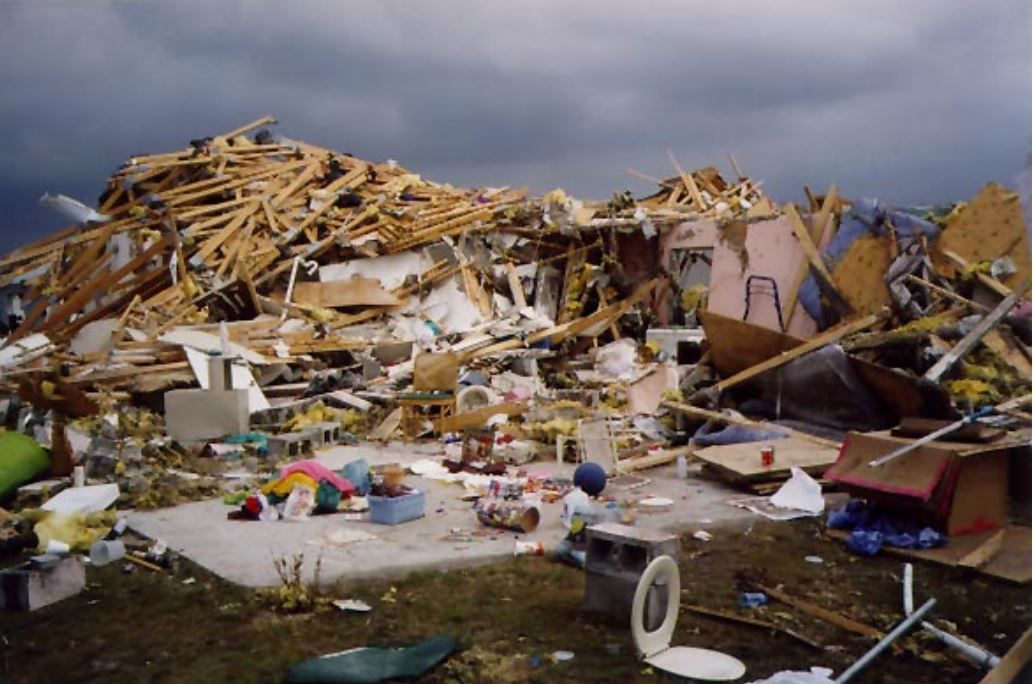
point(616, 557)
point(37, 584)
point(323, 434)
point(195, 414)
point(289, 444)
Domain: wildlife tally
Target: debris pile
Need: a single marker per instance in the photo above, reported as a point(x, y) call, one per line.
point(251, 298)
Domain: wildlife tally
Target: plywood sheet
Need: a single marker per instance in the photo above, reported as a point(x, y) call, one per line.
point(914, 475)
point(991, 226)
point(1011, 562)
point(736, 345)
point(860, 274)
point(763, 248)
point(435, 372)
point(351, 292)
point(742, 462)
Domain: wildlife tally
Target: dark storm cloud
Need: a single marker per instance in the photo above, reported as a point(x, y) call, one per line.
point(915, 102)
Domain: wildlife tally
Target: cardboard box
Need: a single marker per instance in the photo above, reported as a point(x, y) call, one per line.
point(959, 488)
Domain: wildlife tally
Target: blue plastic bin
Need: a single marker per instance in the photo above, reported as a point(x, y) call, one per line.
point(393, 510)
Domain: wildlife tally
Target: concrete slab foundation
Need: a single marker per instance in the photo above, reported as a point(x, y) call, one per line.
point(244, 552)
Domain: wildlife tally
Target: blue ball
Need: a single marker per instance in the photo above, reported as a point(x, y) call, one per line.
point(591, 478)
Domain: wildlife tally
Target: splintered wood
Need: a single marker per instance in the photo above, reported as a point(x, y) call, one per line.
point(234, 227)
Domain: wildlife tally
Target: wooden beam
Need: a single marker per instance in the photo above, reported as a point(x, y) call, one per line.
point(944, 292)
point(969, 341)
point(1013, 404)
point(982, 554)
point(828, 337)
point(213, 243)
point(735, 167)
point(760, 624)
point(828, 207)
point(810, 250)
point(1011, 665)
point(689, 183)
point(516, 288)
point(300, 180)
point(241, 130)
point(986, 279)
point(478, 416)
point(792, 297)
point(829, 616)
point(646, 177)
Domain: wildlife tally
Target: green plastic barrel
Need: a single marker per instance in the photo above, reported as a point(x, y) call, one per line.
point(21, 460)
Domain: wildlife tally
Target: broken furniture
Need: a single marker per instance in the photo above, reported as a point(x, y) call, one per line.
point(615, 558)
point(595, 443)
point(766, 286)
point(959, 488)
point(654, 646)
point(434, 386)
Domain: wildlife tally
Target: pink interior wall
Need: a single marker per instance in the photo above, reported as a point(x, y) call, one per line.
point(772, 250)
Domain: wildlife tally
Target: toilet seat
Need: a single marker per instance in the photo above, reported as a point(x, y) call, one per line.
point(655, 647)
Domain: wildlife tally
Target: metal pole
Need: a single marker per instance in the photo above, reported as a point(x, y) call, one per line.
point(970, 651)
point(878, 648)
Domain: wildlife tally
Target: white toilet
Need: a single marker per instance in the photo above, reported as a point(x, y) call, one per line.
point(655, 647)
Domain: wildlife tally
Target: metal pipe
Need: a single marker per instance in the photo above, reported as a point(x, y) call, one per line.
point(885, 642)
point(980, 656)
point(310, 267)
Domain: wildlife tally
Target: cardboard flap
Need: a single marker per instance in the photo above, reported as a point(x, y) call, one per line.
point(915, 474)
point(436, 372)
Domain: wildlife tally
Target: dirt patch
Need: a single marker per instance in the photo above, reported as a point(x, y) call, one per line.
point(510, 617)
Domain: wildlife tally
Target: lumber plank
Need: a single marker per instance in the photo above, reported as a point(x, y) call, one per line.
point(516, 288)
point(829, 616)
point(969, 341)
point(828, 337)
point(810, 250)
point(690, 184)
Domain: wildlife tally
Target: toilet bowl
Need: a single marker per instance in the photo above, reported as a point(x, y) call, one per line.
point(655, 647)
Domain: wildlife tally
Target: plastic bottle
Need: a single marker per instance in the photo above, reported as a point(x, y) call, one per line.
point(683, 468)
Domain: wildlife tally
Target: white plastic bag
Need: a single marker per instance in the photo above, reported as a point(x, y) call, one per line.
point(800, 492)
point(817, 675)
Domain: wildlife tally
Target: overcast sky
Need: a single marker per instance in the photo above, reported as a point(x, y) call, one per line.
point(913, 102)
